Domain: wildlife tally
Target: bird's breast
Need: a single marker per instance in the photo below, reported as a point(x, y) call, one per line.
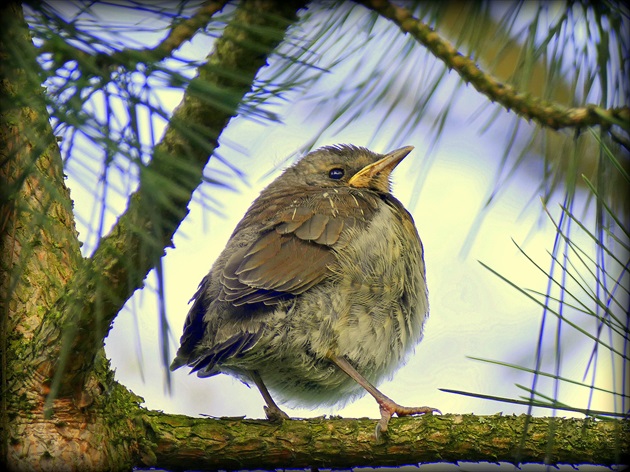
point(377, 296)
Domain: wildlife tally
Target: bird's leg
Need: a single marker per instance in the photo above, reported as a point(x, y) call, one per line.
point(273, 411)
point(387, 406)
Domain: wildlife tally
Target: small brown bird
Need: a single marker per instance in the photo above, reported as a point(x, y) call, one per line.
point(320, 292)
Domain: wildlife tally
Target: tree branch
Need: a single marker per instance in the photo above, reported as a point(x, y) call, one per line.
point(544, 112)
point(182, 32)
point(174, 441)
point(91, 63)
point(122, 260)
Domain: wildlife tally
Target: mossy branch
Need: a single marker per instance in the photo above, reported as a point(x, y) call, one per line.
point(173, 442)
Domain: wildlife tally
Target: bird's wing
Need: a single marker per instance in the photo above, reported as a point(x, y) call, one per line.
point(293, 251)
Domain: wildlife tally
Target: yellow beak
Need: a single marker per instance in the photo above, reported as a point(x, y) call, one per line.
point(377, 173)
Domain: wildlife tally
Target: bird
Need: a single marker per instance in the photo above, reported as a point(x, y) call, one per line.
point(320, 293)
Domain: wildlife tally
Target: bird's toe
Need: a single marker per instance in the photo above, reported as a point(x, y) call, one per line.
point(275, 414)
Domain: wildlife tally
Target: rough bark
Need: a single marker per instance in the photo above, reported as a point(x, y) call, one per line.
point(209, 444)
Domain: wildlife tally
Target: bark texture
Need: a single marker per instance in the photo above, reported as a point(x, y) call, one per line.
point(209, 444)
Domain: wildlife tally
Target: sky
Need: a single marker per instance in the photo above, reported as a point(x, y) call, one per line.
point(473, 312)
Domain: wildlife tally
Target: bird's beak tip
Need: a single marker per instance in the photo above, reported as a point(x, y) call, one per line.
point(399, 154)
point(384, 166)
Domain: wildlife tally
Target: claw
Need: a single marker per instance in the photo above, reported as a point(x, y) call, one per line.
point(415, 410)
point(275, 414)
point(378, 430)
point(381, 426)
point(388, 408)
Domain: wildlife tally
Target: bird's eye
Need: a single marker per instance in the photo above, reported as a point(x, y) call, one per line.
point(336, 173)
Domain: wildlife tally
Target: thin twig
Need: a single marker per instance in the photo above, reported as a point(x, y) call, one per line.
point(64, 51)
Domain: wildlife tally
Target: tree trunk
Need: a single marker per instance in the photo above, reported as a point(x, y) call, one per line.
point(39, 253)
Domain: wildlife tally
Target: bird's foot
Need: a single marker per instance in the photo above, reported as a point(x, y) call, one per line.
point(275, 414)
point(389, 407)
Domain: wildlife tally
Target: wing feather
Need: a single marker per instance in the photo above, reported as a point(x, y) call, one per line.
point(294, 251)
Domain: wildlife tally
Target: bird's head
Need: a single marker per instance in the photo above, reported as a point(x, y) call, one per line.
point(345, 165)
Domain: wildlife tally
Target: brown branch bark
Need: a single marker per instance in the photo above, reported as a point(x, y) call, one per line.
point(39, 247)
point(546, 113)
